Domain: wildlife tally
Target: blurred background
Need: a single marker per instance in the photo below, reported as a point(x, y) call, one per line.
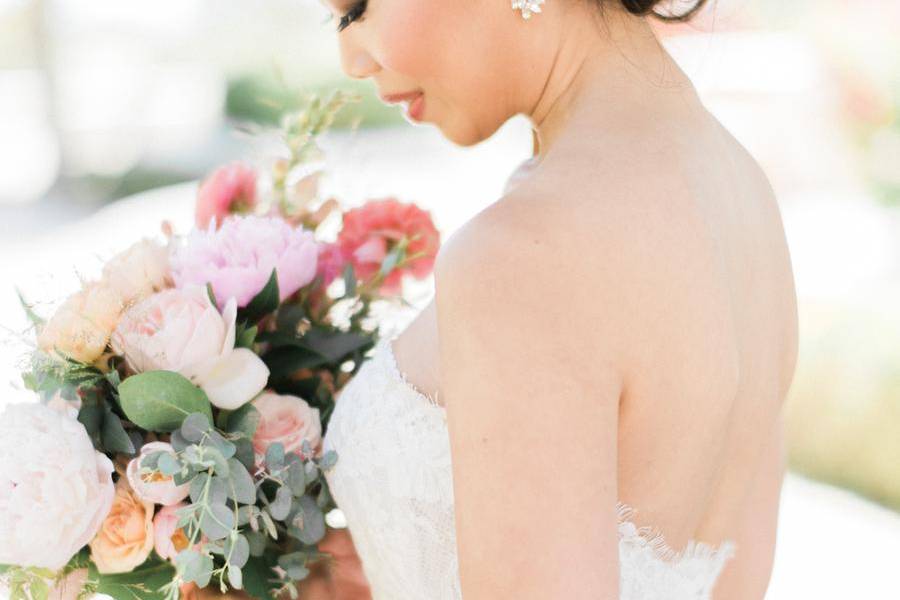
point(110, 112)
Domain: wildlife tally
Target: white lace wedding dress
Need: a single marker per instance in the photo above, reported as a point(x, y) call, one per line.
point(393, 482)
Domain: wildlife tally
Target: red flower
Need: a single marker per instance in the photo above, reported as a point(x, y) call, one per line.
point(227, 190)
point(371, 231)
point(330, 262)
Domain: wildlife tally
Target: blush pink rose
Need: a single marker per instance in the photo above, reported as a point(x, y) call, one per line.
point(370, 231)
point(237, 260)
point(168, 538)
point(227, 190)
point(155, 487)
point(289, 420)
point(180, 330)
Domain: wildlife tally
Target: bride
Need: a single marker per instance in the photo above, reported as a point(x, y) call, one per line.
point(609, 344)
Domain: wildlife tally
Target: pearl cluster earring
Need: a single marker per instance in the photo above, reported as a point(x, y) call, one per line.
point(527, 7)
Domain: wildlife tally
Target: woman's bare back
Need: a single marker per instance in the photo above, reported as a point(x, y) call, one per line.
point(715, 341)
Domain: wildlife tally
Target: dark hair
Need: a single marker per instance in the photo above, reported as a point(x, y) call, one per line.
point(645, 7)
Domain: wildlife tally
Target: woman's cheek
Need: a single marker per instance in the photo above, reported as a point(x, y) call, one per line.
point(414, 36)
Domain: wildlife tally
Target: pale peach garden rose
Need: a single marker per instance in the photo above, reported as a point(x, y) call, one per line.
point(155, 487)
point(286, 419)
point(181, 330)
point(55, 488)
point(82, 325)
point(126, 537)
point(139, 271)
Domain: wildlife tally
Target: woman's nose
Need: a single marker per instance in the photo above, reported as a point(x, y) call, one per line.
point(356, 62)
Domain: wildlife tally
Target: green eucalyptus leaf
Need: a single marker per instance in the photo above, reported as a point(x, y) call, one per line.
point(215, 459)
point(113, 434)
point(281, 506)
point(258, 542)
point(329, 459)
point(194, 427)
point(217, 522)
point(296, 478)
point(238, 550)
point(178, 442)
point(242, 488)
point(244, 452)
point(218, 490)
point(160, 400)
point(235, 577)
point(198, 484)
point(275, 456)
point(244, 420)
point(308, 522)
point(168, 464)
point(151, 459)
point(225, 447)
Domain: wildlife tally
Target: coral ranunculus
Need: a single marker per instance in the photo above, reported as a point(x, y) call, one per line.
point(227, 190)
point(369, 232)
point(238, 259)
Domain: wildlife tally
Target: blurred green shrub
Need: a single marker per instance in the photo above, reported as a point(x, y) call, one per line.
point(262, 99)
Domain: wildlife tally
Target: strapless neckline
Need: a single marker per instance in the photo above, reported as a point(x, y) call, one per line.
point(646, 535)
point(393, 482)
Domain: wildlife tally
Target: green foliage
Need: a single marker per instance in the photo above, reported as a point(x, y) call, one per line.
point(144, 583)
point(264, 303)
point(35, 319)
point(160, 400)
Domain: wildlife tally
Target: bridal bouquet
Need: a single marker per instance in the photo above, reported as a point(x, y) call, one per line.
point(185, 392)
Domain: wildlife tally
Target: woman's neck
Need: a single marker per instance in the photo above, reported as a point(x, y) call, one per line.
point(602, 67)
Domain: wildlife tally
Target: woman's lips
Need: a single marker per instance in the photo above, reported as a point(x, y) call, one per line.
point(416, 107)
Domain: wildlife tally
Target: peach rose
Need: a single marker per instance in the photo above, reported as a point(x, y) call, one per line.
point(286, 419)
point(126, 536)
point(138, 271)
point(181, 330)
point(155, 487)
point(81, 327)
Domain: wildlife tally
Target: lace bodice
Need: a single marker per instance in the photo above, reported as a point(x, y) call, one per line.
point(394, 484)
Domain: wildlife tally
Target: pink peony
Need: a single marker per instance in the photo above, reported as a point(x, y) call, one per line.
point(237, 260)
point(286, 419)
point(227, 190)
point(369, 232)
point(155, 487)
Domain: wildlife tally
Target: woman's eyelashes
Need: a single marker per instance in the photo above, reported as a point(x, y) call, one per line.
point(353, 15)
